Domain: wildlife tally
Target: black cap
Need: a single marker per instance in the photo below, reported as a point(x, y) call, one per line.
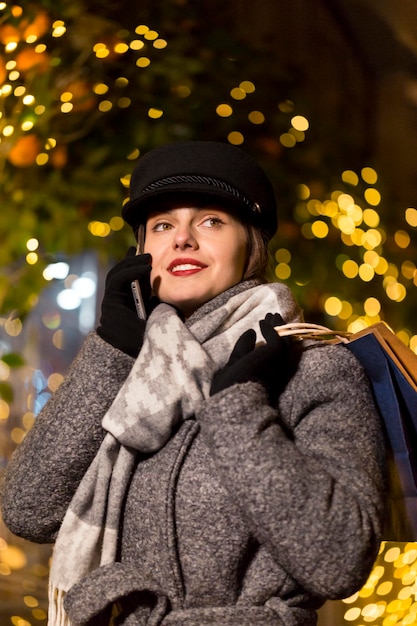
point(211, 170)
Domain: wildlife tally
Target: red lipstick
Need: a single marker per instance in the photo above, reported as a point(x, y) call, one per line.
point(185, 267)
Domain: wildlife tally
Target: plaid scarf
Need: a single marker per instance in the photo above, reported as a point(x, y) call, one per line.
point(174, 359)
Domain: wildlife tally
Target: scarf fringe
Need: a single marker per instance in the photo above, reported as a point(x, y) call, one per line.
point(57, 616)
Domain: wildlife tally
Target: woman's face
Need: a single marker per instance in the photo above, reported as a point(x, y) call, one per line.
point(196, 254)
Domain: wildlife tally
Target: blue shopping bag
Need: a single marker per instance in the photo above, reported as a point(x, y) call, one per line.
point(392, 369)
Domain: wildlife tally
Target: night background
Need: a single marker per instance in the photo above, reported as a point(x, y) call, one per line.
point(323, 94)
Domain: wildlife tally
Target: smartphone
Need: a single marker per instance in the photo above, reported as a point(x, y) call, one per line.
point(137, 295)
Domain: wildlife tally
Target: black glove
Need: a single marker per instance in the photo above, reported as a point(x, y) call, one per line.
point(268, 364)
point(120, 325)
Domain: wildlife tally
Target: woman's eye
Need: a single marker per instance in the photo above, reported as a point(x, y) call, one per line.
point(212, 222)
point(160, 227)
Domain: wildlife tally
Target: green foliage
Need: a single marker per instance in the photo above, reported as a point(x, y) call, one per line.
point(138, 76)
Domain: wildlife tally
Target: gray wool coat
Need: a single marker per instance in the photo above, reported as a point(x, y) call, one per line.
point(250, 514)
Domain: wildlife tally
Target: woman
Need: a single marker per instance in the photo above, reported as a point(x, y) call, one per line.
point(195, 468)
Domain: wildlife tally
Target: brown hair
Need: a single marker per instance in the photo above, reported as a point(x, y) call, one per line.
point(257, 256)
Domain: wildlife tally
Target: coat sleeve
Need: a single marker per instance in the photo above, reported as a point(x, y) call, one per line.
point(46, 468)
point(309, 476)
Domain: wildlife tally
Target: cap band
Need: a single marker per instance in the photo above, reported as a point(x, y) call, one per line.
point(205, 180)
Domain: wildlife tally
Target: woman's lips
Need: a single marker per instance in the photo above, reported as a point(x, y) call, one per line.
point(185, 267)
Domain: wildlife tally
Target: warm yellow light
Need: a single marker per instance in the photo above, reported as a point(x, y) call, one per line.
point(345, 200)
point(8, 130)
point(160, 44)
point(247, 86)
point(303, 192)
point(408, 269)
point(287, 140)
point(382, 266)
point(102, 53)
point(402, 239)
point(333, 306)
point(99, 46)
point(100, 89)
point(150, 35)
point(13, 326)
point(411, 216)
point(137, 44)
point(346, 311)
point(298, 134)
point(300, 122)
point(143, 62)
point(282, 255)
point(124, 103)
point(372, 307)
point(372, 239)
point(116, 223)
point(238, 94)
point(413, 343)
point(330, 208)
point(28, 100)
point(282, 271)
point(58, 28)
point(395, 291)
point(31, 258)
point(346, 224)
point(99, 229)
point(141, 29)
point(366, 272)
point(121, 48)
point(66, 96)
point(350, 177)
point(235, 138)
point(50, 143)
point(371, 218)
point(67, 107)
point(372, 196)
point(369, 175)
point(30, 601)
point(55, 380)
point(42, 158)
point(4, 410)
point(352, 614)
point(256, 117)
point(154, 113)
point(32, 244)
point(133, 156)
point(372, 258)
point(350, 269)
point(384, 588)
point(320, 229)
point(224, 110)
point(13, 556)
point(105, 106)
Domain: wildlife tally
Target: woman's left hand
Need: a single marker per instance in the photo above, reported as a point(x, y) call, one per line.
point(269, 364)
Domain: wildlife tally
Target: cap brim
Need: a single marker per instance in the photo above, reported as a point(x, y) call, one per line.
point(135, 212)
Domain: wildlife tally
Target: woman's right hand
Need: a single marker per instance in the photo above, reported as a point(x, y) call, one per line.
point(120, 325)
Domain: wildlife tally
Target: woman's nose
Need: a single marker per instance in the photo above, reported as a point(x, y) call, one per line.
point(185, 238)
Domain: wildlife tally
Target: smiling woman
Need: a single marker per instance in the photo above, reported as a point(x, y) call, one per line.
point(196, 254)
point(194, 467)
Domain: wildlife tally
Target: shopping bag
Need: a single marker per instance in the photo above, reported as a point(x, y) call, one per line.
point(392, 371)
